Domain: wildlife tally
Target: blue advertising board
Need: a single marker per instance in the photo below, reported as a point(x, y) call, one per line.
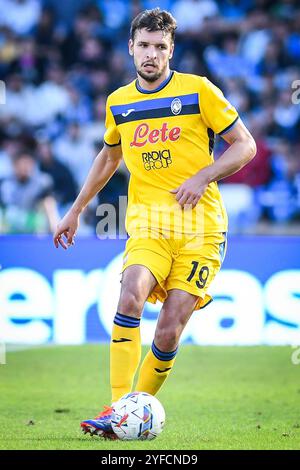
point(70, 297)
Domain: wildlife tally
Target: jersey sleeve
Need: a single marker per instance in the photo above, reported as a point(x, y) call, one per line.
point(111, 136)
point(217, 113)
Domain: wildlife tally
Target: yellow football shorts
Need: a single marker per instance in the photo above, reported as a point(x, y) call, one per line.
point(189, 263)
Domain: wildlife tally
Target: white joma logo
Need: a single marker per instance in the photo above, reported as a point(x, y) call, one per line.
point(128, 112)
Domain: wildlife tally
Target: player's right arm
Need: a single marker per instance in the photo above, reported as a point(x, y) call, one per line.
point(104, 166)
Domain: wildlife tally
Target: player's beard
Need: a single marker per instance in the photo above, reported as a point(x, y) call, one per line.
point(154, 75)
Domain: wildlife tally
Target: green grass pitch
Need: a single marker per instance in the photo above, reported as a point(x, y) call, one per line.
point(216, 398)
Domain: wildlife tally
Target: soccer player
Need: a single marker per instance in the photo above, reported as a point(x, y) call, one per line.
point(163, 124)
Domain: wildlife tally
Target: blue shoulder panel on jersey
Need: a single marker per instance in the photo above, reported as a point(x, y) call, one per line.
point(157, 107)
point(155, 103)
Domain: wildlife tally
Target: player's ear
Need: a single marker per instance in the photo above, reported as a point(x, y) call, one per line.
point(130, 46)
point(171, 50)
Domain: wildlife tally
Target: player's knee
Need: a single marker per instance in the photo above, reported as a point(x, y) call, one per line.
point(131, 303)
point(167, 339)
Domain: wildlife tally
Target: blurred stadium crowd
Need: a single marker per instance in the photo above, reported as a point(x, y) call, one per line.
point(60, 59)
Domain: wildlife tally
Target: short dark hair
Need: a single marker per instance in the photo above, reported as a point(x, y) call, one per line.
point(154, 20)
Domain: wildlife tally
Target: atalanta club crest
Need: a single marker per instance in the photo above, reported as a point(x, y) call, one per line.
point(176, 106)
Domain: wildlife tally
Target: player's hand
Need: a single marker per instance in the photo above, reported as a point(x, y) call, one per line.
point(67, 227)
point(190, 192)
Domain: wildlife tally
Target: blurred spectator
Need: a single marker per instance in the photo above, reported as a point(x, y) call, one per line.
point(9, 50)
point(26, 198)
point(273, 61)
point(286, 117)
point(228, 62)
point(238, 96)
point(64, 187)
point(76, 152)
point(235, 9)
point(92, 54)
point(79, 108)
point(256, 36)
point(45, 29)
point(241, 191)
point(279, 198)
point(51, 97)
point(18, 98)
point(29, 64)
point(66, 10)
point(190, 14)
point(115, 13)
point(258, 171)
point(6, 168)
point(20, 15)
point(95, 129)
point(293, 39)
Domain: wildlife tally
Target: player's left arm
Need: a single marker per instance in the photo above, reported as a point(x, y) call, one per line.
point(241, 151)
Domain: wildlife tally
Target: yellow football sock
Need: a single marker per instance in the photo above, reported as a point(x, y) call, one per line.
point(125, 354)
point(154, 370)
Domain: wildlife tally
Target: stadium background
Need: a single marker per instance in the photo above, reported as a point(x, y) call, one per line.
point(58, 61)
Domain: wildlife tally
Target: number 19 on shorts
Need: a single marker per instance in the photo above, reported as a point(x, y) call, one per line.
point(200, 275)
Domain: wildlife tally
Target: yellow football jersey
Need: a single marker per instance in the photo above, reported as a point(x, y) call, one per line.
point(167, 136)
